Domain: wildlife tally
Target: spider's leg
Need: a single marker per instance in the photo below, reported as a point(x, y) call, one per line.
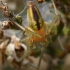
point(56, 19)
point(21, 13)
point(42, 51)
point(54, 7)
point(39, 62)
point(25, 53)
point(55, 22)
point(61, 44)
point(31, 31)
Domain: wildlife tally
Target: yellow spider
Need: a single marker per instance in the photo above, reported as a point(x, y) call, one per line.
point(40, 28)
point(37, 31)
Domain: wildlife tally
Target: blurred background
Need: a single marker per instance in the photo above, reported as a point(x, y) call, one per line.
point(57, 54)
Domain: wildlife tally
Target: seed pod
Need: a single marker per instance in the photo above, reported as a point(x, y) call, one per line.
point(6, 24)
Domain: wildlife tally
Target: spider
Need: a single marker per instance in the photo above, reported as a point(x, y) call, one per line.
point(37, 25)
point(38, 31)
